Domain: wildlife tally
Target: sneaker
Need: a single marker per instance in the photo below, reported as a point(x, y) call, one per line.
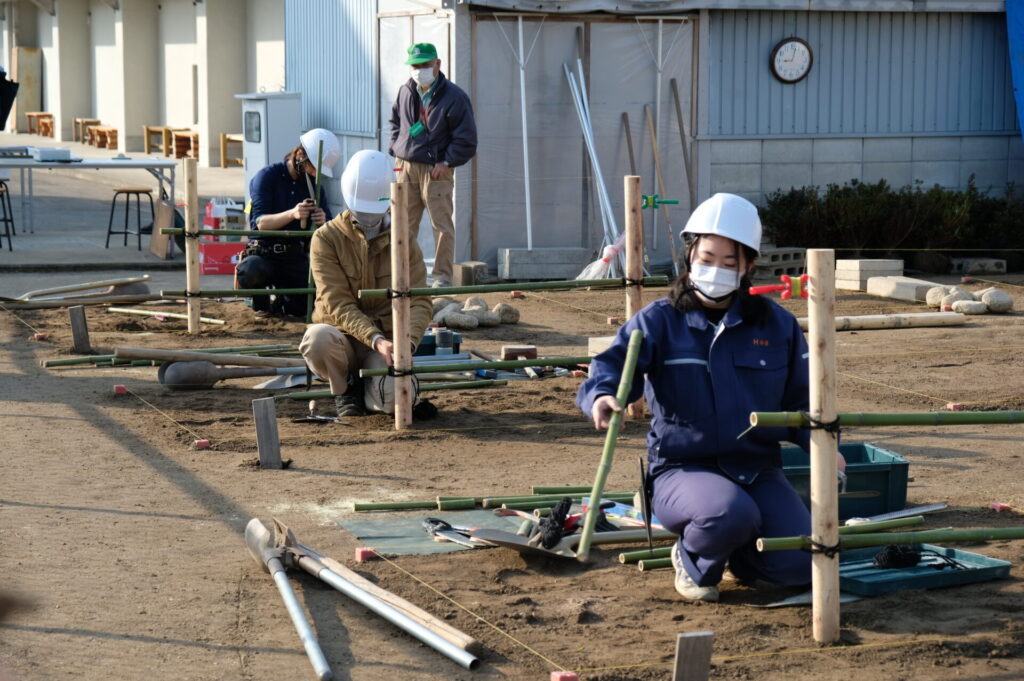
point(348, 405)
point(686, 587)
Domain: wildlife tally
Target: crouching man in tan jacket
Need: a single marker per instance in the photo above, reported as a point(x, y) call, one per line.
point(349, 253)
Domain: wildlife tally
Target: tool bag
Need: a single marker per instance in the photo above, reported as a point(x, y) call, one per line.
point(379, 391)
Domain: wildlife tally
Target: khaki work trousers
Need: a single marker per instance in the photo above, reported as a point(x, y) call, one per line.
point(436, 197)
point(334, 355)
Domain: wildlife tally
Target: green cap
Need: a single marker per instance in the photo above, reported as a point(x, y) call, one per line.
point(421, 53)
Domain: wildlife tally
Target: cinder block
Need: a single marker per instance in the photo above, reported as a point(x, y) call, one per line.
point(849, 284)
point(598, 344)
point(549, 264)
point(469, 273)
point(780, 255)
point(857, 269)
point(978, 265)
point(900, 288)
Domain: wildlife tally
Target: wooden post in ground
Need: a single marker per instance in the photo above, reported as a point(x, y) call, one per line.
point(634, 262)
point(693, 656)
point(400, 304)
point(268, 443)
point(824, 444)
point(192, 243)
point(79, 330)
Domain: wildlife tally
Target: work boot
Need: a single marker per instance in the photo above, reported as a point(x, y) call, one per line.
point(349, 404)
point(685, 585)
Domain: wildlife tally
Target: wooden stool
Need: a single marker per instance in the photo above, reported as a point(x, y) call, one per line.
point(128, 193)
point(32, 119)
point(186, 144)
point(78, 127)
point(46, 126)
point(147, 132)
point(226, 137)
point(105, 136)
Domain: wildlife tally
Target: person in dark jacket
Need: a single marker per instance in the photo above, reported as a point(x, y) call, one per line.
point(432, 133)
point(713, 353)
point(280, 200)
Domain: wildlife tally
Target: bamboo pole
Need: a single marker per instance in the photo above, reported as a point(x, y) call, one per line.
point(278, 233)
point(636, 339)
point(93, 359)
point(473, 366)
point(424, 387)
point(895, 321)
point(101, 300)
point(634, 262)
point(311, 297)
point(824, 444)
point(796, 419)
point(191, 244)
point(400, 305)
point(158, 314)
point(859, 541)
point(611, 283)
point(215, 358)
point(239, 292)
point(865, 528)
point(494, 501)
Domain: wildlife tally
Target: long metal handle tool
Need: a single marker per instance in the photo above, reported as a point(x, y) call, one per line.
point(636, 339)
point(306, 635)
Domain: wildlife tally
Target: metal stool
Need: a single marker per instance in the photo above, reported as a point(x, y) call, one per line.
point(128, 193)
point(6, 215)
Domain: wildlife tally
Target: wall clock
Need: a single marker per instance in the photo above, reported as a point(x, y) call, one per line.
point(791, 60)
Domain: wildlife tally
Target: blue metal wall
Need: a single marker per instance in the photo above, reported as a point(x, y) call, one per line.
point(874, 74)
point(329, 58)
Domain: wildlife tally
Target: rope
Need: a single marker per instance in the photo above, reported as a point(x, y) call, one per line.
point(391, 293)
point(164, 414)
point(829, 427)
point(558, 302)
point(15, 314)
point(825, 550)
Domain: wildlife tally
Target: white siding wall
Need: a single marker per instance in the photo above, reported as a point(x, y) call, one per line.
point(177, 60)
point(265, 45)
point(107, 91)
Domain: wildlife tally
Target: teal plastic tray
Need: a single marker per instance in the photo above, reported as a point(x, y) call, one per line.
point(857, 574)
point(868, 468)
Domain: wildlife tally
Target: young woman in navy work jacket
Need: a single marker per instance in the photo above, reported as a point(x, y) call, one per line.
point(712, 353)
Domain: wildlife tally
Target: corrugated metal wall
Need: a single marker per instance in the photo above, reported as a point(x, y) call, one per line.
point(329, 58)
point(873, 74)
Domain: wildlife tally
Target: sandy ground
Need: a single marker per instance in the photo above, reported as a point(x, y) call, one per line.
point(129, 541)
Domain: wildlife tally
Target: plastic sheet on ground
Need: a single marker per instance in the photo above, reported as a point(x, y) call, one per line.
point(396, 534)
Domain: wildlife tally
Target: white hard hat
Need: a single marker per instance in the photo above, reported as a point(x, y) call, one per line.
point(366, 181)
point(727, 215)
point(332, 149)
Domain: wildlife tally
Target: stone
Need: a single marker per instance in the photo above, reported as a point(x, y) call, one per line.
point(954, 296)
point(969, 307)
point(441, 303)
point(936, 294)
point(448, 309)
point(474, 302)
point(507, 313)
point(998, 302)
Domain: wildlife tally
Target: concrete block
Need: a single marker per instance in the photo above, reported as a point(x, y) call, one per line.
point(824, 174)
point(942, 173)
point(980, 148)
point(900, 288)
point(470, 273)
point(896, 174)
point(978, 265)
point(736, 178)
point(598, 344)
point(736, 151)
point(887, 150)
point(787, 151)
point(548, 264)
point(785, 176)
point(936, 149)
point(877, 266)
point(838, 151)
point(988, 175)
point(780, 255)
point(849, 285)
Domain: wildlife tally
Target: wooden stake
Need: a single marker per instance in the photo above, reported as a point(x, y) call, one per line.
point(693, 656)
point(634, 262)
point(192, 243)
point(79, 330)
point(824, 445)
point(400, 304)
point(267, 441)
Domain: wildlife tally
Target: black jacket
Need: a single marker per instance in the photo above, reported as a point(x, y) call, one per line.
point(451, 130)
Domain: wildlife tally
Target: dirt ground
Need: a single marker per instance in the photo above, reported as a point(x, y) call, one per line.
point(129, 541)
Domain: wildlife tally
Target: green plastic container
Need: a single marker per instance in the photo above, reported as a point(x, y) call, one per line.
point(868, 468)
point(857, 574)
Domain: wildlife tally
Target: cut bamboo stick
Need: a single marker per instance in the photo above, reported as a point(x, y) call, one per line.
point(215, 358)
point(795, 419)
point(859, 541)
point(473, 366)
point(400, 305)
point(634, 262)
point(368, 293)
point(895, 321)
point(94, 359)
point(158, 314)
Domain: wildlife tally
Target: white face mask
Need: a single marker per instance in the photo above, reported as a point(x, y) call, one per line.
point(714, 282)
point(425, 76)
point(367, 220)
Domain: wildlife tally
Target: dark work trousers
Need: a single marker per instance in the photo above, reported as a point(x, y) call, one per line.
point(287, 270)
point(718, 521)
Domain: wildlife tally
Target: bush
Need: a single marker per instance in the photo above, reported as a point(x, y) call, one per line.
point(874, 220)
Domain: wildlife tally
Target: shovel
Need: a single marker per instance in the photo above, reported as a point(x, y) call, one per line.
point(272, 554)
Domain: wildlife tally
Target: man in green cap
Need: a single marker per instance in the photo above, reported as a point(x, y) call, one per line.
point(432, 133)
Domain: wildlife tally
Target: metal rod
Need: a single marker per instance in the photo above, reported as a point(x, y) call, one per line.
point(93, 359)
point(932, 418)
point(470, 366)
point(858, 541)
point(610, 283)
point(636, 339)
point(298, 617)
point(388, 612)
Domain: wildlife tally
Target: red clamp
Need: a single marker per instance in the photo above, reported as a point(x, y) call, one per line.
point(790, 287)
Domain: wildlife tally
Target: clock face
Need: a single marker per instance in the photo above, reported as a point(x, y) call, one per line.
point(791, 60)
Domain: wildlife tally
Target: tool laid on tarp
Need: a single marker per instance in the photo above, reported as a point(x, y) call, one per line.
point(566, 548)
point(281, 551)
point(313, 417)
point(442, 530)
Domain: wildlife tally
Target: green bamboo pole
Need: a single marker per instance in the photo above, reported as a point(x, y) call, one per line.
point(93, 359)
point(368, 293)
point(796, 419)
point(286, 233)
point(663, 551)
point(649, 564)
point(424, 387)
point(242, 292)
point(534, 504)
point(561, 489)
point(473, 366)
point(310, 297)
point(857, 541)
point(489, 502)
point(636, 339)
point(439, 504)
